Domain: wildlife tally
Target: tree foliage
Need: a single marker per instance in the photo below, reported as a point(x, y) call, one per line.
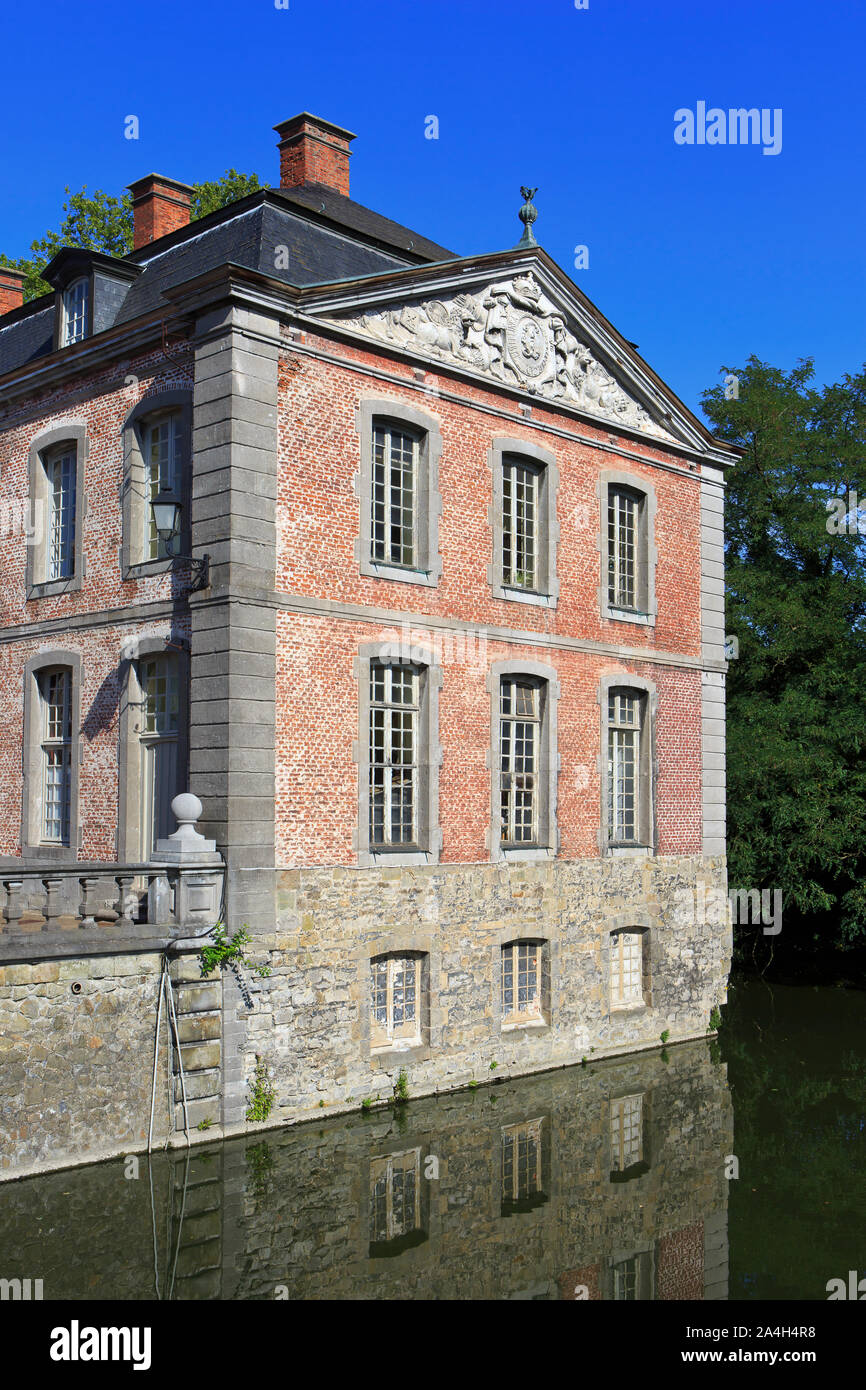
point(796, 602)
point(101, 222)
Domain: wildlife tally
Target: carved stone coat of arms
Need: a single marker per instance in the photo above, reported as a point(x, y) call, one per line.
point(513, 332)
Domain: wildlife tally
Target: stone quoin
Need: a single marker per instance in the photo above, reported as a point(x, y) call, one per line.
point(449, 698)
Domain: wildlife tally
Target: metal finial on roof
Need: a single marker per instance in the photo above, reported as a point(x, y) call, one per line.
point(527, 215)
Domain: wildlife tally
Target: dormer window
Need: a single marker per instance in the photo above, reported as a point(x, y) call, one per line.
point(90, 289)
point(75, 303)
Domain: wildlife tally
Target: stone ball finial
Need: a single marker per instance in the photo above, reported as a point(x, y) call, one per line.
point(186, 808)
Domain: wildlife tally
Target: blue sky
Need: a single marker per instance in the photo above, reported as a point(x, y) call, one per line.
point(701, 254)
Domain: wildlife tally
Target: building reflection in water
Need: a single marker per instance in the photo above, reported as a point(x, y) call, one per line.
point(599, 1182)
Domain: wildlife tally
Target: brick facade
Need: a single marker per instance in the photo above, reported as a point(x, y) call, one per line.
point(277, 385)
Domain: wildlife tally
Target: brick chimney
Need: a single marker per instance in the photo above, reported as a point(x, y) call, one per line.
point(159, 206)
point(314, 151)
point(11, 289)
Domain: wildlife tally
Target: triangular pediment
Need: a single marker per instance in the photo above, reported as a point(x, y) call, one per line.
point(518, 326)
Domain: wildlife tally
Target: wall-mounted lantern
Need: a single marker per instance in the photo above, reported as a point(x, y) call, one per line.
point(166, 518)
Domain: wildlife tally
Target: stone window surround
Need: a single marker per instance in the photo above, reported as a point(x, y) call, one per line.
point(648, 765)
point(399, 941)
point(37, 583)
point(129, 759)
point(133, 501)
point(648, 553)
point(428, 498)
point(422, 1006)
point(32, 847)
point(430, 755)
point(635, 919)
point(547, 594)
point(549, 762)
point(548, 940)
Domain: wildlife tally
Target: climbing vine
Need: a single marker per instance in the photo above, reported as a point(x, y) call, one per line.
point(261, 1092)
point(225, 952)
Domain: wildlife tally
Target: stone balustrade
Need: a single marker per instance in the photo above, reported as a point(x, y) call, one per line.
point(178, 893)
point(121, 899)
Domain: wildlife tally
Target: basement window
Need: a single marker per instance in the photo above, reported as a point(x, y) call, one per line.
point(525, 983)
point(627, 969)
point(395, 999)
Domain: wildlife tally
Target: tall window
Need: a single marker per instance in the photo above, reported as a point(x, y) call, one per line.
point(521, 982)
point(520, 712)
point(395, 693)
point(160, 735)
point(625, 719)
point(395, 983)
point(60, 471)
point(394, 520)
point(162, 465)
point(75, 312)
point(56, 692)
point(626, 968)
point(623, 508)
point(395, 1196)
point(520, 520)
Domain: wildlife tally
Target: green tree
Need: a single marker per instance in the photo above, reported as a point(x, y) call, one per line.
point(102, 222)
point(796, 602)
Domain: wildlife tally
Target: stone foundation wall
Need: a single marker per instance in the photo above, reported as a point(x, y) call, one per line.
point(76, 1057)
point(311, 1018)
point(76, 1067)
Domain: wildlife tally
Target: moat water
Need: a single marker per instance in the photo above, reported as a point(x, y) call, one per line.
point(612, 1180)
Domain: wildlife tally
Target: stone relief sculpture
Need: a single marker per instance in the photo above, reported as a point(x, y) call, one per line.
point(513, 332)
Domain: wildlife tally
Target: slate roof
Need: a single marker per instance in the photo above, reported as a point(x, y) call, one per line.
point(29, 337)
point(328, 237)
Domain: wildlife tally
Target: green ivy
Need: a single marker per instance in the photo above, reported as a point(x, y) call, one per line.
point(261, 1092)
point(223, 952)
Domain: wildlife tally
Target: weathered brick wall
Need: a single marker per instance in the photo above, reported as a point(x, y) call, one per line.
point(317, 696)
point(681, 1264)
point(317, 780)
point(102, 672)
point(318, 508)
point(103, 401)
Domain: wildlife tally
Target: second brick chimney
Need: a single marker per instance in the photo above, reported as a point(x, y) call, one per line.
point(314, 151)
point(11, 289)
point(159, 206)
